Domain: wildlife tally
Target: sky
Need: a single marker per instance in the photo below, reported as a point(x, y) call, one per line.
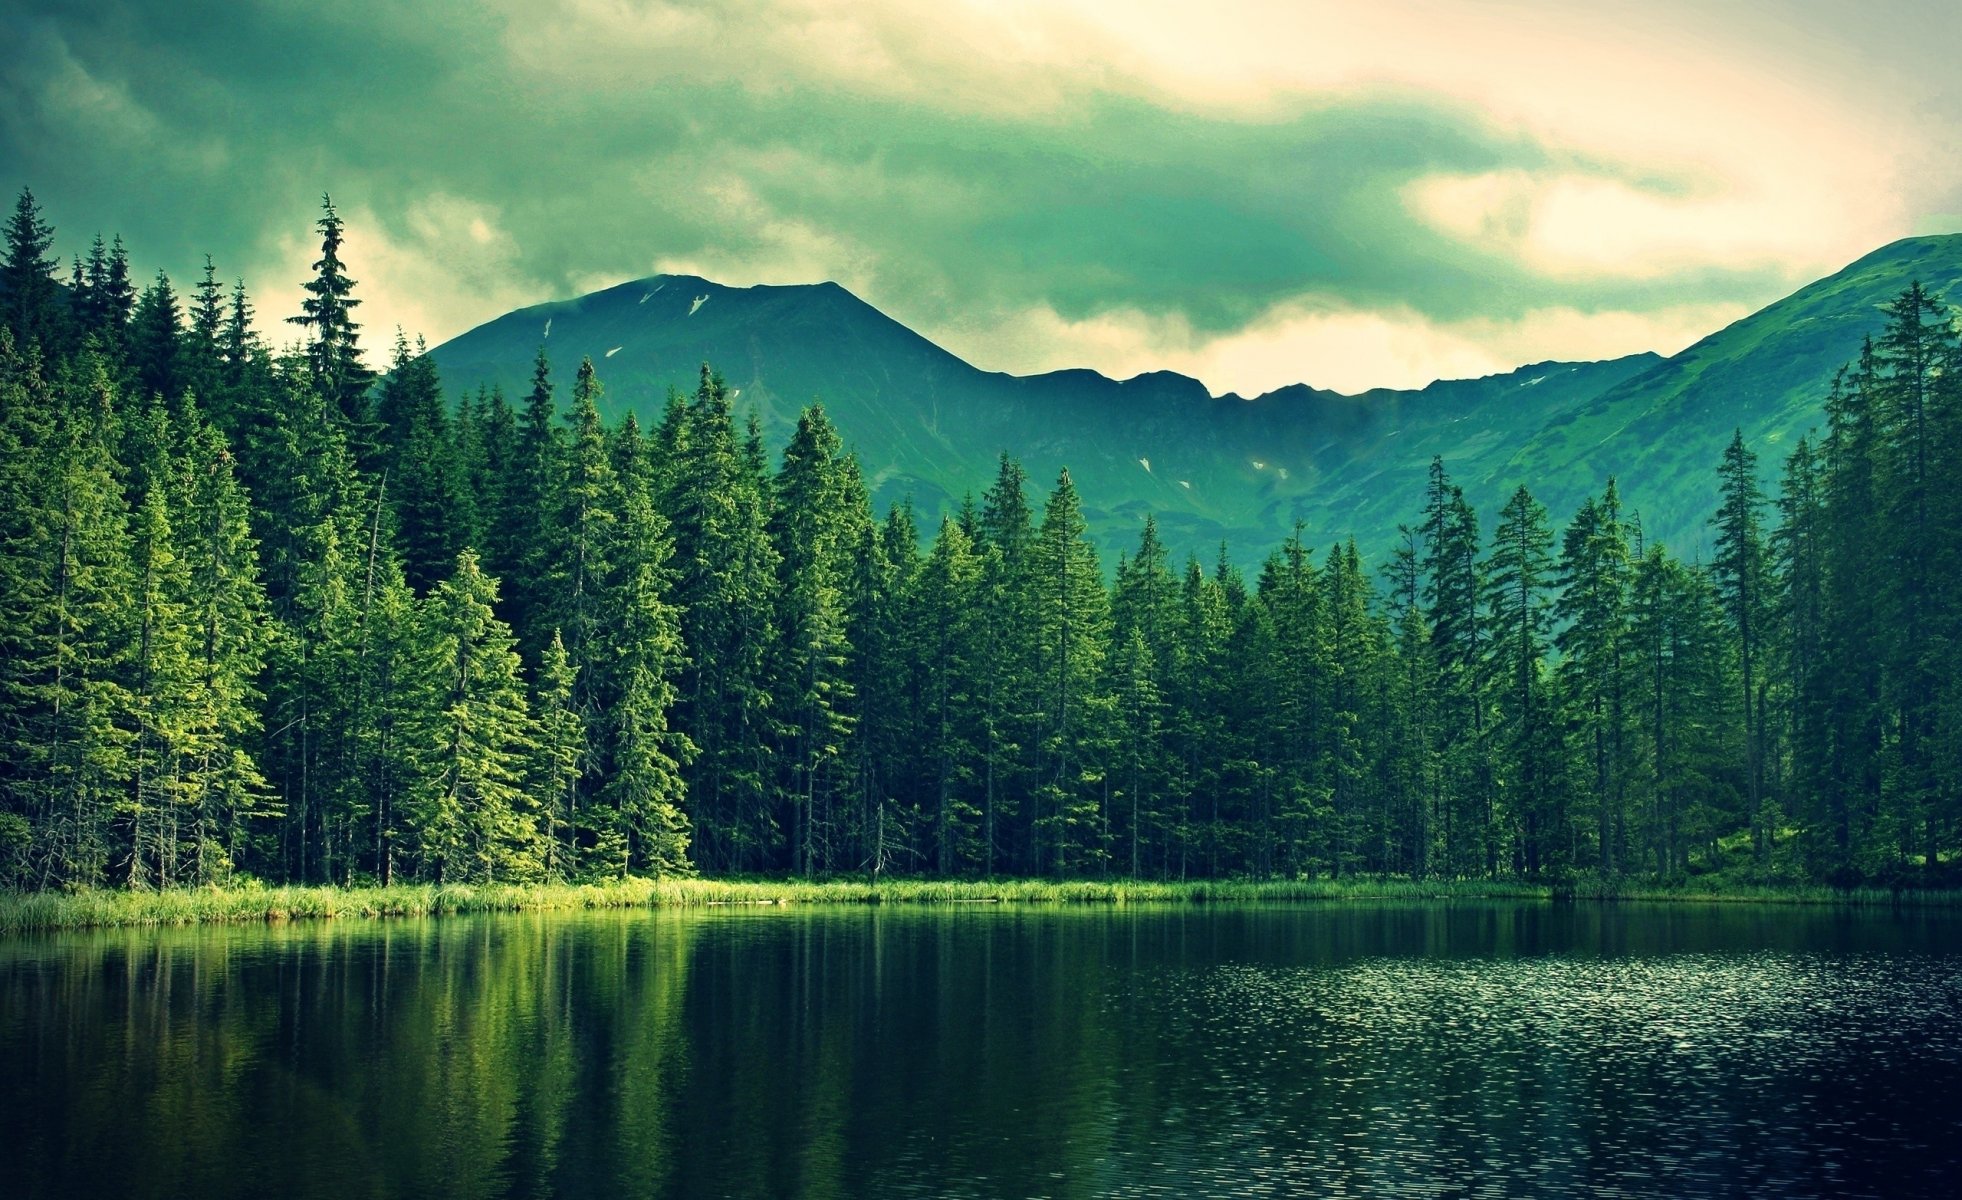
point(1260, 193)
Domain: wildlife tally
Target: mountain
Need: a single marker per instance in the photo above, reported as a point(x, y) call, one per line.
point(929, 426)
point(1662, 430)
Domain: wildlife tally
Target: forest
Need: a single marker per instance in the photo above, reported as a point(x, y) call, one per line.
point(267, 613)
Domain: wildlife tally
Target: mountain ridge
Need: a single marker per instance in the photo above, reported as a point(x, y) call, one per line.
point(1217, 468)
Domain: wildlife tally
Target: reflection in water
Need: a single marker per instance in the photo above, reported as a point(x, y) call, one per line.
point(1411, 1050)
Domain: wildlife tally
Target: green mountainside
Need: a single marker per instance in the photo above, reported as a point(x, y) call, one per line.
point(1662, 431)
point(929, 426)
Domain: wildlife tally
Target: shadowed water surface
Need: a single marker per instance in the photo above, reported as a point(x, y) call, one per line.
point(1443, 1050)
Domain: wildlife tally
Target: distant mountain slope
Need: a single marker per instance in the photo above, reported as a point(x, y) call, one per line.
point(1663, 430)
point(928, 425)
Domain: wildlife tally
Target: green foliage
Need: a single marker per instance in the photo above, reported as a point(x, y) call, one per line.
point(470, 816)
point(28, 288)
point(333, 340)
point(246, 631)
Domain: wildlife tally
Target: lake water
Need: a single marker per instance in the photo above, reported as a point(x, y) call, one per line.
point(1420, 1050)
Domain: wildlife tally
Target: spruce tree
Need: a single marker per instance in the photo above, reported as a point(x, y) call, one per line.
point(418, 460)
point(333, 336)
point(29, 289)
point(1072, 615)
point(1592, 615)
point(558, 760)
point(642, 656)
point(1010, 700)
point(472, 819)
point(162, 677)
point(226, 611)
point(155, 355)
point(526, 499)
point(1518, 578)
point(75, 598)
point(814, 528)
point(1917, 413)
point(1144, 643)
point(725, 576)
point(947, 620)
point(1742, 573)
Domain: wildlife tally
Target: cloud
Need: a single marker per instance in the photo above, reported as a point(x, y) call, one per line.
point(1404, 188)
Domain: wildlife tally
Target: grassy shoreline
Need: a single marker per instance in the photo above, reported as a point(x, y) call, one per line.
point(99, 909)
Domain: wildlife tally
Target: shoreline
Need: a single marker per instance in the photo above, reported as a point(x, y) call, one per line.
point(29, 912)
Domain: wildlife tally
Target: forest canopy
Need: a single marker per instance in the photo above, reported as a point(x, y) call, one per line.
point(269, 613)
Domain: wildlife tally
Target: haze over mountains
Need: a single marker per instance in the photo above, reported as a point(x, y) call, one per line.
point(1239, 470)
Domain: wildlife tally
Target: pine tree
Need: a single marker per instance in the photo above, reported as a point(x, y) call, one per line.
point(102, 299)
point(26, 434)
point(1677, 630)
point(1290, 592)
point(29, 289)
point(1351, 647)
point(814, 529)
point(580, 534)
point(1916, 411)
point(202, 343)
point(155, 356)
point(643, 656)
point(1144, 642)
point(1414, 736)
point(1009, 702)
point(1592, 614)
point(558, 760)
point(1799, 550)
point(73, 597)
point(881, 669)
point(1517, 580)
point(418, 461)
point(725, 573)
point(948, 624)
point(472, 819)
point(1072, 613)
point(225, 609)
point(161, 681)
point(1742, 573)
point(333, 337)
point(1460, 646)
point(529, 493)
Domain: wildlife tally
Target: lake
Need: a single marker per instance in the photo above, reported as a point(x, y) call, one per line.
point(1463, 1049)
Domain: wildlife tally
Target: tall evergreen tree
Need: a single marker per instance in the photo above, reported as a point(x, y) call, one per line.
point(647, 828)
point(558, 760)
point(813, 527)
point(1072, 613)
point(1592, 615)
point(529, 493)
point(472, 819)
point(1518, 576)
point(333, 336)
point(725, 576)
point(1742, 574)
point(155, 354)
point(74, 598)
point(947, 620)
point(29, 288)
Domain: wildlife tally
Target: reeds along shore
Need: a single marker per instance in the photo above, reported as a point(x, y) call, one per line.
point(104, 908)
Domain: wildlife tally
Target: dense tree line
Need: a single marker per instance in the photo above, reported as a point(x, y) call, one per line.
point(269, 612)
